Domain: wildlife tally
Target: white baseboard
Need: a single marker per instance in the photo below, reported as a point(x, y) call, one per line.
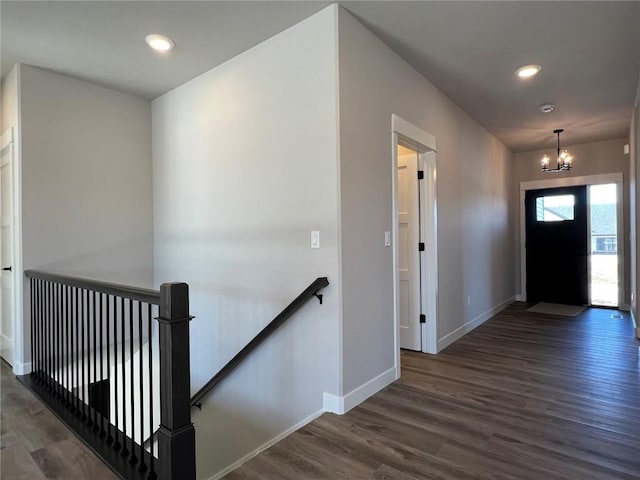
point(635, 323)
point(21, 368)
point(520, 297)
point(341, 405)
point(460, 332)
point(267, 444)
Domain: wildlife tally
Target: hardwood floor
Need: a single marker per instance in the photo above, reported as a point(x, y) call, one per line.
point(524, 396)
point(35, 445)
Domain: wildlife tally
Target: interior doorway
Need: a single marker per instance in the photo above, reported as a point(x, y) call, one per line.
point(409, 278)
point(414, 238)
point(7, 330)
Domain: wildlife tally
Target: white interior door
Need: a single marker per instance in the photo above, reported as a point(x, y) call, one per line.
point(6, 248)
point(408, 253)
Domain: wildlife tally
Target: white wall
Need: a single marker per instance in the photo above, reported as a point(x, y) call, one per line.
point(10, 116)
point(475, 247)
point(588, 159)
point(86, 179)
point(244, 168)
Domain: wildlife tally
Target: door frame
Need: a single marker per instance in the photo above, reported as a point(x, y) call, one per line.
point(425, 145)
point(10, 139)
point(587, 180)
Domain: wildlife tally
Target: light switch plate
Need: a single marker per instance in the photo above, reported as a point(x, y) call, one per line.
point(315, 239)
point(387, 239)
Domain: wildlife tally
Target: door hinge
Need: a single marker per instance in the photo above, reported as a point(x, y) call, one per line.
point(421, 247)
point(420, 174)
point(423, 318)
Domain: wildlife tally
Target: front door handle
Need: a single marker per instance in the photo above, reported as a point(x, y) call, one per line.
point(7, 269)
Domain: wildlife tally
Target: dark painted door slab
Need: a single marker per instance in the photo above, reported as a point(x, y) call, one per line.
point(556, 245)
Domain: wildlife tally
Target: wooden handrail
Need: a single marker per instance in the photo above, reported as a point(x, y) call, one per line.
point(134, 293)
point(312, 290)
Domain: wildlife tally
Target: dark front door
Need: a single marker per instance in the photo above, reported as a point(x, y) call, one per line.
point(556, 245)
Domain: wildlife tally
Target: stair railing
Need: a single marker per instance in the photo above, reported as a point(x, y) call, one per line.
point(311, 291)
point(92, 346)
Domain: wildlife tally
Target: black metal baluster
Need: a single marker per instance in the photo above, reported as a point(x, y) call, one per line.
point(72, 365)
point(61, 353)
point(34, 328)
point(35, 307)
point(70, 343)
point(116, 444)
point(83, 335)
point(96, 427)
point(60, 348)
point(102, 415)
point(63, 345)
point(52, 327)
point(133, 458)
point(142, 466)
point(67, 344)
point(61, 333)
point(45, 333)
point(77, 349)
point(152, 473)
point(43, 336)
point(125, 451)
point(108, 315)
point(52, 344)
point(59, 345)
point(32, 323)
point(56, 341)
point(49, 338)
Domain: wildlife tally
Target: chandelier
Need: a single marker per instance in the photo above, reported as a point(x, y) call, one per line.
point(563, 158)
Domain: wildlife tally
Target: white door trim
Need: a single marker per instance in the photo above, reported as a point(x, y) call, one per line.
point(425, 144)
point(587, 180)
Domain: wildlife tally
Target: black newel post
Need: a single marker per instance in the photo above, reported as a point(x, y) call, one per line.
point(176, 437)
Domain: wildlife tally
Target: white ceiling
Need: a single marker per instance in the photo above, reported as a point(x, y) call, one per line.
point(589, 51)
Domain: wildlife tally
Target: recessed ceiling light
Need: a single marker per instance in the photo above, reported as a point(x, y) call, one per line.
point(159, 42)
point(528, 71)
point(547, 107)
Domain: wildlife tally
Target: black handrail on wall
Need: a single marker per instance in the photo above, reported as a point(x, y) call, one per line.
point(311, 291)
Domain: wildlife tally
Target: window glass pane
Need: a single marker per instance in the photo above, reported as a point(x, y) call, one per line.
point(604, 286)
point(556, 208)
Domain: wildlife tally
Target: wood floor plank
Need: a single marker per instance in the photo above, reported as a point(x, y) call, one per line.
point(36, 445)
point(17, 464)
point(525, 396)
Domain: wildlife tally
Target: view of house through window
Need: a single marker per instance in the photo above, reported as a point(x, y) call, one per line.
point(603, 283)
point(555, 208)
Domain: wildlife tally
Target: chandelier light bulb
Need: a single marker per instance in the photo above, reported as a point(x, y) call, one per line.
point(545, 161)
